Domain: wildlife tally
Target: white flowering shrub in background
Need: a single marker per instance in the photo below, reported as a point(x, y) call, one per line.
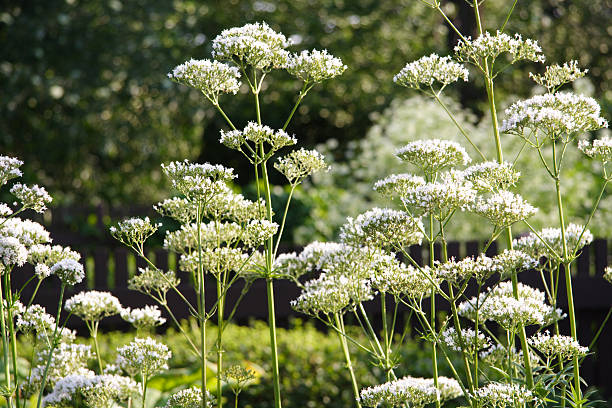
point(441, 180)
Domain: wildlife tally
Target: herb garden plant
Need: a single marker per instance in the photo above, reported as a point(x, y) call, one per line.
point(500, 338)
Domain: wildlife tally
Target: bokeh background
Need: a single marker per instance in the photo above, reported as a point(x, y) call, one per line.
point(85, 102)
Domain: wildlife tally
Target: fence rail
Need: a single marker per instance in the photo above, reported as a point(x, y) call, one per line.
point(109, 266)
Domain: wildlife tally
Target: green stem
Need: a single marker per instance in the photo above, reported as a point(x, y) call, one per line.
point(432, 299)
point(219, 343)
point(202, 311)
point(5, 342)
point(387, 362)
point(229, 122)
point(52, 347)
point(273, 345)
point(270, 288)
point(303, 92)
point(282, 226)
point(144, 391)
point(345, 350)
point(94, 336)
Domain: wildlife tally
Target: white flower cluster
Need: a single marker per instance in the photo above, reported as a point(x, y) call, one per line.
point(12, 253)
point(430, 69)
point(257, 134)
point(601, 149)
point(382, 227)
point(315, 66)
point(35, 319)
point(491, 46)
point(67, 359)
point(398, 184)
point(146, 357)
point(554, 115)
point(185, 239)
point(198, 182)
point(410, 391)
point(557, 75)
point(558, 345)
point(5, 210)
point(93, 306)
point(96, 390)
point(34, 197)
point(504, 208)
point(469, 341)
point(440, 198)
point(9, 169)
point(69, 271)
point(252, 44)
point(210, 77)
point(300, 164)
point(49, 255)
point(551, 238)
point(608, 274)
point(27, 232)
point(501, 395)
point(257, 232)
point(144, 318)
point(433, 155)
point(177, 208)
point(189, 398)
point(153, 282)
point(135, 231)
point(393, 277)
point(331, 293)
point(483, 267)
point(498, 304)
point(491, 175)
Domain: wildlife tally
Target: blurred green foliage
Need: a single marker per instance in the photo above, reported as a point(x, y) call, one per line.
point(85, 102)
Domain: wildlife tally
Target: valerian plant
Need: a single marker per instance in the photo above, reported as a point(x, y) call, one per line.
point(501, 366)
point(222, 234)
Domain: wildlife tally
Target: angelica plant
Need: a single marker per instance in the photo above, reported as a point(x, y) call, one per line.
point(23, 241)
point(489, 328)
point(221, 232)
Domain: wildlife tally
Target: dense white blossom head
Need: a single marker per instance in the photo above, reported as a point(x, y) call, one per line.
point(210, 77)
point(9, 169)
point(501, 395)
point(27, 232)
point(504, 208)
point(499, 304)
point(67, 359)
point(189, 398)
point(564, 347)
point(177, 208)
point(433, 155)
point(470, 341)
point(34, 197)
point(69, 271)
point(555, 115)
point(427, 70)
point(198, 182)
point(252, 44)
point(555, 76)
point(145, 318)
point(256, 134)
point(144, 356)
point(577, 236)
point(315, 66)
point(382, 227)
point(153, 282)
point(608, 274)
point(491, 46)
point(95, 390)
point(600, 149)
point(300, 164)
point(35, 319)
point(410, 391)
point(93, 305)
point(398, 184)
point(133, 232)
point(491, 176)
point(12, 253)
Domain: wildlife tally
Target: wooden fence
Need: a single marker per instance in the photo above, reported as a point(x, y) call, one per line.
point(109, 266)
